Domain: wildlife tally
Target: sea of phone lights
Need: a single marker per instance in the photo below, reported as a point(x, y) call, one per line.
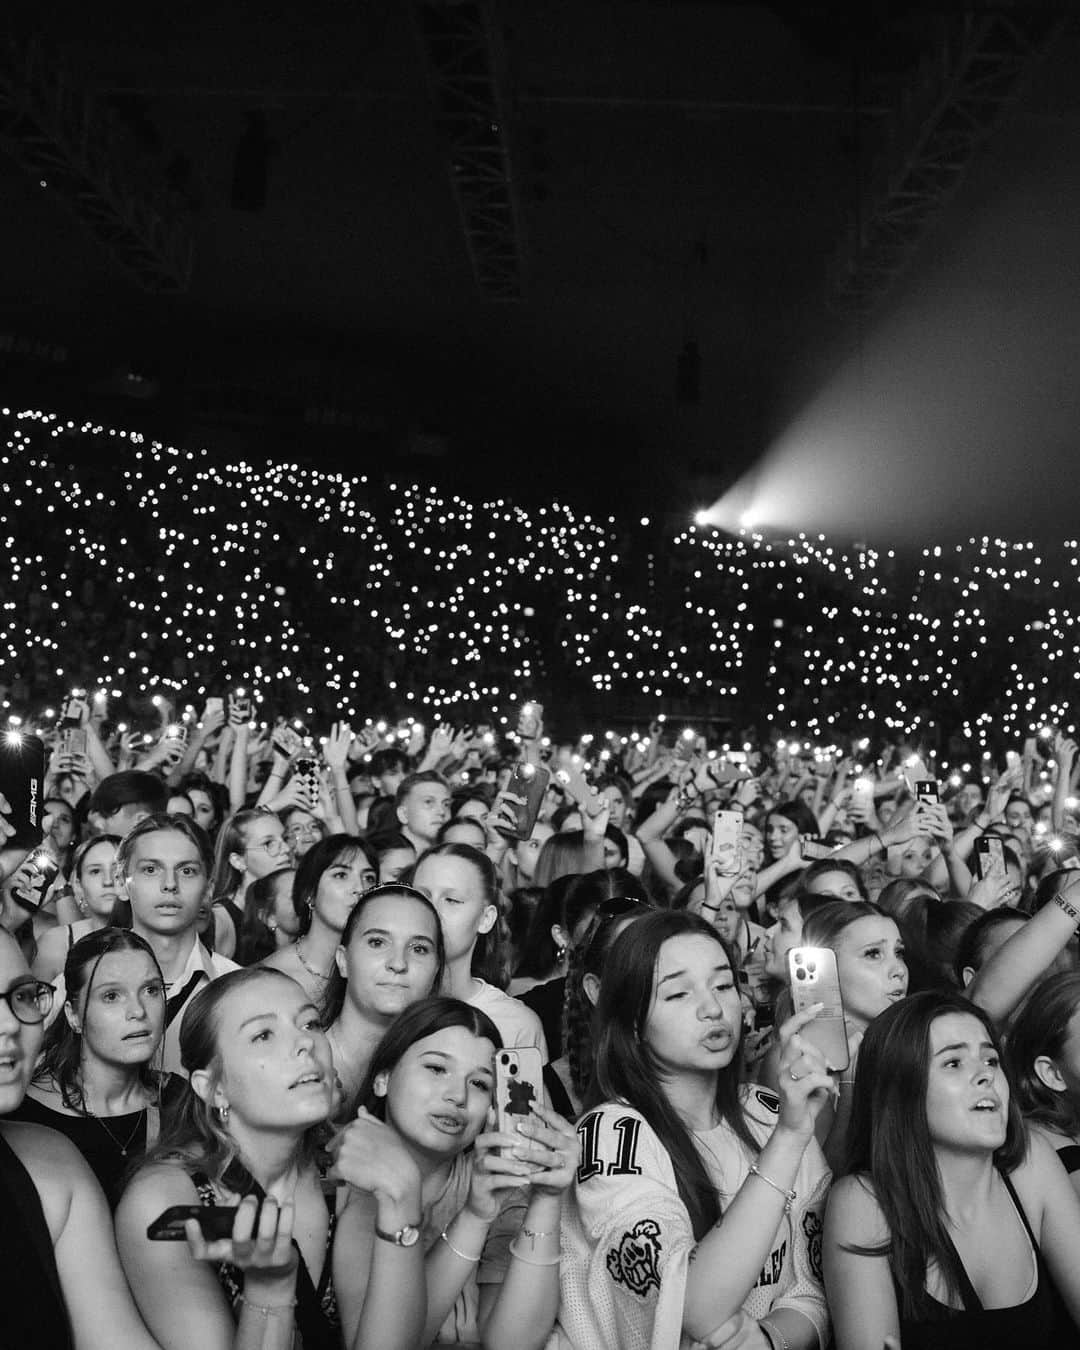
point(153, 568)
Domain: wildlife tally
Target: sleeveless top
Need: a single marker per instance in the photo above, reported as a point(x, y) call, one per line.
point(1041, 1320)
point(1069, 1156)
point(317, 1322)
point(30, 1294)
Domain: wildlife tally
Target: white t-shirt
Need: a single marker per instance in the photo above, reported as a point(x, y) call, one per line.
point(517, 1024)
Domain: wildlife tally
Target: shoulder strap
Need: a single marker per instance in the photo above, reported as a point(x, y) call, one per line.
point(1019, 1209)
point(174, 1005)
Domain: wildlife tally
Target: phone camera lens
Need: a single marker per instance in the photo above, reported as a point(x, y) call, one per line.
point(800, 974)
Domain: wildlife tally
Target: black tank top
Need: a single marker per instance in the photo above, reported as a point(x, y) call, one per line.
point(30, 1294)
point(1069, 1156)
point(1040, 1320)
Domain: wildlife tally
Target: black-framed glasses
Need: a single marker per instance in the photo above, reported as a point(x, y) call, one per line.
point(30, 1001)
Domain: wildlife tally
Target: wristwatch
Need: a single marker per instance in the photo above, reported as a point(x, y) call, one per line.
point(408, 1236)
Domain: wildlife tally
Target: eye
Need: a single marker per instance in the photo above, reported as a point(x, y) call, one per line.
point(670, 998)
point(374, 941)
point(313, 1023)
point(422, 948)
point(993, 1060)
point(263, 1035)
point(109, 996)
point(155, 989)
point(483, 1085)
point(435, 1068)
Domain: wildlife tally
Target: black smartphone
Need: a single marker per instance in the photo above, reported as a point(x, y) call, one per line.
point(22, 781)
point(530, 782)
point(926, 790)
point(216, 1222)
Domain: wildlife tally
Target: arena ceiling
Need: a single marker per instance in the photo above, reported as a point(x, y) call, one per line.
point(685, 175)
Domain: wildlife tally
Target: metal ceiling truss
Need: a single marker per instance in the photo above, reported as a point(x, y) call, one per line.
point(467, 82)
point(61, 137)
point(974, 78)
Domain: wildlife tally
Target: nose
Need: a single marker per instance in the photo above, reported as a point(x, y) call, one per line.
point(9, 1023)
point(169, 880)
point(396, 959)
point(455, 1090)
point(138, 1009)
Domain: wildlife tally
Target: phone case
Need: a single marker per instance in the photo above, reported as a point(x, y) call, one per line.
point(531, 782)
point(22, 782)
point(928, 791)
point(814, 979)
point(519, 1085)
point(216, 1222)
point(862, 794)
point(990, 853)
point(73, 741)
point(727, 835)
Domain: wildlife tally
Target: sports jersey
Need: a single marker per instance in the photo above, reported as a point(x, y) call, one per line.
point(627, 1238)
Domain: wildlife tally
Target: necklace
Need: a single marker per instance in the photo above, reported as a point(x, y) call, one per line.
point(123, 1147)
point(310, 969)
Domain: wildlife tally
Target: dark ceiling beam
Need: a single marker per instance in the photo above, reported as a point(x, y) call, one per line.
point(964, 92)
point(60, 136)
point(467, 83)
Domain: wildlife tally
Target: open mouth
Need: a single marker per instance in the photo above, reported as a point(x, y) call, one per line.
point(449, 1124)
point(312, 1079)
point(987, 1104)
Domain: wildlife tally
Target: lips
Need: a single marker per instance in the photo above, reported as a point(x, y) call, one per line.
point(138, 1036)
point(717, 1039)
point(312, 1079)
point(987, 1104)
point(10, 1068)
point(449, 1123)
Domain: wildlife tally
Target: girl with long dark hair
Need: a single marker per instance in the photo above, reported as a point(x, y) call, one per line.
point(697, 1206)
point(946, 1228)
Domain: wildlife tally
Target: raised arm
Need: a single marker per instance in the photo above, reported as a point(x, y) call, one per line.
point(862, 1300)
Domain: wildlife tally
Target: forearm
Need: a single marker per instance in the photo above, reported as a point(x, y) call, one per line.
point(1017, 965)
point(448, 1266)
point(238, 769)
point(959, 873)
point(729, 1259)
point(98, 755)
point(343, 800)
point(527, 1303)
point(395, 1303)
point(662, 859)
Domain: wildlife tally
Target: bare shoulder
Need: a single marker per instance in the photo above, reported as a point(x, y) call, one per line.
point(46, 1154)
point(154, 1188)
point(854, 1213)
point(282, 959)
point(1040, 1176)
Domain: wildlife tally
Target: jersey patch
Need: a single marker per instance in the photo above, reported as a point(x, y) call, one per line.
point(635, 1262)
point(812, 1227)
point(769, 1100)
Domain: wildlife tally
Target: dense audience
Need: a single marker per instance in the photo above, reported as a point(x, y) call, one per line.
point(319, 1030)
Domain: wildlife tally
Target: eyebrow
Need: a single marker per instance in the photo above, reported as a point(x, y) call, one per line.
point(386, 932)
point(182, 862)
point(678, 974)
point(255, 1017)
point(963, 1045)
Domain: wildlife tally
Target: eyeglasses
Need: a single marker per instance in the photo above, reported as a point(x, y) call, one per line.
point(276, 844)
point(297, 832)
point(30, 1002)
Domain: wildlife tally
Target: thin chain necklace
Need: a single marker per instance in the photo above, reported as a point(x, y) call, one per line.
point(123, 1147)
point(310, 969)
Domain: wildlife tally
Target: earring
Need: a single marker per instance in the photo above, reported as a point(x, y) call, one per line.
point(81, 905)
point(223, 1115)
point(560, 955)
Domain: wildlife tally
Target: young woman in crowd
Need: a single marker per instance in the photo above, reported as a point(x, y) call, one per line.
point(1044, 1063)
point(390, 956)
point(95, 1082)
point(251, 844)
point(244, 1135)
point(270, 921)
point(61, 1283)
point(461, 883)
point(489, 1206)
point(697, 1204)
point(331, 878)
point(94, 886)
point(945, 1230)
point(303, 829)
point(393, 855)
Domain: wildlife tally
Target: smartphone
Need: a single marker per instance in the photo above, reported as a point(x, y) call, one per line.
point(519, 1085)
point(216, 1222)
point(862, 794)
point(813, 848)
point(73, 741)
point(727, 835)
point(990, 856)
point(529, 720)
point(737, 757)
point(1012, 760)
point(176, 732)
point(814, 979)
point(240, 706)
point(73, 710)
point(926, 790)
point(43, 862)
point(684, 745)
point(531, 782)
point(22, 782)
point(287, 741)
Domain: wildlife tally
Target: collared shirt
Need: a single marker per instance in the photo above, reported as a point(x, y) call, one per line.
point(200, 962)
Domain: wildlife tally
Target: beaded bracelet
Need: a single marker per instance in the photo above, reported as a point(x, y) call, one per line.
point(457, 1251)
point(789, 1196)
point(532, 1261)
point(268, 1310)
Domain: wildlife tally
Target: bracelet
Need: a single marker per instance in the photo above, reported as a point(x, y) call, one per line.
point(457, 1251)
point(532, 1261)
point(534, 1236)
point(774, 1335)
point(1067, 908)
point(789, 1196)
point(271, 1310)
